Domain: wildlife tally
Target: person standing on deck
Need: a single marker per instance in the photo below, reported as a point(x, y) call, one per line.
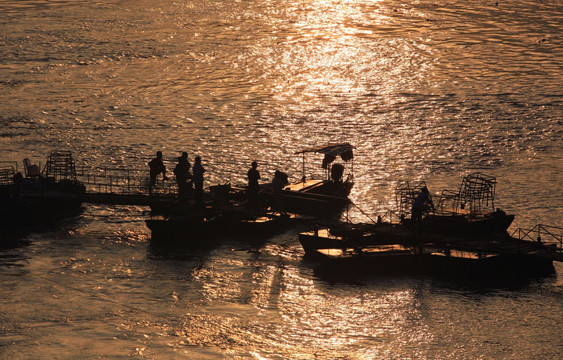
point(421, 200)
point(279, 182)
point(253, 186)
point(198, 170)
point(156, 167)
point(182, 172)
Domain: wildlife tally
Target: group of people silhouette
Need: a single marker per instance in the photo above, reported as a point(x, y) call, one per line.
point(185, 179)
point(193, 180)
point(190, 178)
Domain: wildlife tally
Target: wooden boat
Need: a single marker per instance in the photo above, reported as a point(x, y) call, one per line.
point(399, 259)
point(201, 228)
point(344, 235)
point(468, 211)
point(317, 195)
point(333, 184)
point(392, 248)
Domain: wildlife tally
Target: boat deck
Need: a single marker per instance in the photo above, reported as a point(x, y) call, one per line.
point(304, 186)
point(383, 236)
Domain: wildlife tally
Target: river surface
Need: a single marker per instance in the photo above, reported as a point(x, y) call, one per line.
point(426, 91)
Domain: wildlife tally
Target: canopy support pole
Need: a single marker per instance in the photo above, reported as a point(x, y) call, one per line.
point(303, 177)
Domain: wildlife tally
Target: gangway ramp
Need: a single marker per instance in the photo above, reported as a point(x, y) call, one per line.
point(114, 186)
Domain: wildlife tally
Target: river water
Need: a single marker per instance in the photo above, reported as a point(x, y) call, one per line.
point(425, 90)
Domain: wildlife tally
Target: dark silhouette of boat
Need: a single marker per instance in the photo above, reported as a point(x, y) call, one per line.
point(203, 228)
point(465, 239)
point(317, 195)
point(468, 211)
point(38, 198)
point(224, 214)
point(394, 248)
point(401, 260)
point(216, 225)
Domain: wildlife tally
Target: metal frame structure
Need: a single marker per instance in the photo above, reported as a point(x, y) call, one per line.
point(7, 171)
point(60, 166)
point(476, 192)
point(405, 195)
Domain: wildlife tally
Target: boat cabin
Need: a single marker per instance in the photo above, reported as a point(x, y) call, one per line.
point(338, 179)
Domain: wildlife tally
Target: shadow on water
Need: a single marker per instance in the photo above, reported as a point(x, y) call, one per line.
point(14, 239)
point(168, 250)
point(13, 257)
point(198, 248)
point(16, 234)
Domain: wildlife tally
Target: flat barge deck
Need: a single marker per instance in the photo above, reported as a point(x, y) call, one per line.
point(381, 247)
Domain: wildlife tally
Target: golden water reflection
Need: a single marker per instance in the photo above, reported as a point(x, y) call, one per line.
point(277, 310)
point(329, 51)
point(424, 90)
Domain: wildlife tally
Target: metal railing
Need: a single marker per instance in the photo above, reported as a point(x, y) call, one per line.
point(544, 234)
point(7, 172)
point(121, 181)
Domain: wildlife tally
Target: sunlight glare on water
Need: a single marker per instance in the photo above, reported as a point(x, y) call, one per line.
point(425, 90)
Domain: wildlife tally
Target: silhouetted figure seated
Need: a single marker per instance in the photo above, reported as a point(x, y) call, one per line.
point(336, 172)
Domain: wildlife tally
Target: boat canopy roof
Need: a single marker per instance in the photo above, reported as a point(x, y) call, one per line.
point(331, 150)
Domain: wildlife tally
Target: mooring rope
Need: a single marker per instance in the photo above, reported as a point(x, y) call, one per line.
point(363, 212)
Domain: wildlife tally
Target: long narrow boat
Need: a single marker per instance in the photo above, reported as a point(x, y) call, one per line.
point(398, 259)
point(394, 247)
point(191, 227)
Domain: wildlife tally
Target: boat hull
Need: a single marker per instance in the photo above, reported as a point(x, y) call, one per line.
point(491, 223)
point(466, 264)
point(197, 231)
point(306, 199)
point(27, 212)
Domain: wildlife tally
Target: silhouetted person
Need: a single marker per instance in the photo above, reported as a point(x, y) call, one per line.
point(198, 181)
point(279, 182)
point(253, 186)
point(421, 200)
point(336, 172)
point(182, 172)
point(156, 167)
